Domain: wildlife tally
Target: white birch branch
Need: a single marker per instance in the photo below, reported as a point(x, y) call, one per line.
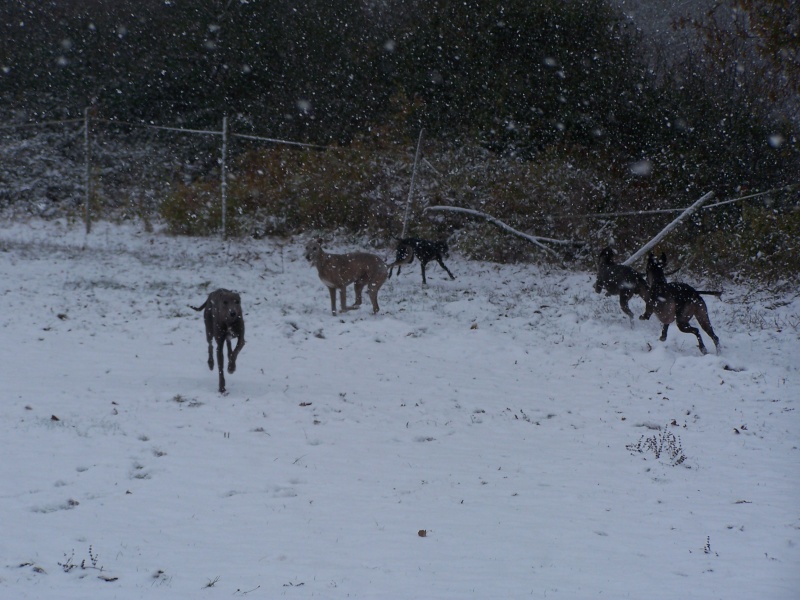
point(497, 222)
point(641, 252)
point(411, 187)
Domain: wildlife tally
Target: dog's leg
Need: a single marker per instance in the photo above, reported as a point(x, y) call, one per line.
point(624, 296)
point(359, 287)
point(663, 337)
point(343, 298)
point(239, 346)
point(231, 357)
point(210, 340)
point(220, 364)
point(648, 309)
point(441, 263)
point(705, 323)
point(403, 256)
point(422, 264)
point(644, 293)
point(332, 292)
point(686, 328)
point(373, 296)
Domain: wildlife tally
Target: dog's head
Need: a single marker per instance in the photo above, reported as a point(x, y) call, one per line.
point(443, 249)
point(228, 305)
point(313, 250)
point(655, 268)
point(606, 256)
point(405, 252)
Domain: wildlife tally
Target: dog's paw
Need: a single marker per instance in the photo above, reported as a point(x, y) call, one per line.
point(231, 367)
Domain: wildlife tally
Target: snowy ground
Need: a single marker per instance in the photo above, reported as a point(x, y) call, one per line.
point(506, 414)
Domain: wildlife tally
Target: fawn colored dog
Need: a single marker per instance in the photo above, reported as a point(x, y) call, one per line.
point(337, 271)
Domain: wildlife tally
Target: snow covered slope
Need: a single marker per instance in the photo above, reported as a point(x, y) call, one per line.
point(503, 435)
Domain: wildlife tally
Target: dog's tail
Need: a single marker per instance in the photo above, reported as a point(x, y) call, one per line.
point(199, 308)
point(707, 293)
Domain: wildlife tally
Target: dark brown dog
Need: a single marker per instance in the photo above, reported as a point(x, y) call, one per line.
point(424, 250)
point(224, 321)
point(677, 302)
point(619, 280)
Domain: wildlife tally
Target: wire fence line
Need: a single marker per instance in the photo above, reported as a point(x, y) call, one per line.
point(663, 211)
point(40, 124)
point(224, 134)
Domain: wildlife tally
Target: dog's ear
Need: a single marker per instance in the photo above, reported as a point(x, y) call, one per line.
point(663, 259)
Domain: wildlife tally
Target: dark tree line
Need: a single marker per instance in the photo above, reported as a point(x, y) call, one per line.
point(516, 76)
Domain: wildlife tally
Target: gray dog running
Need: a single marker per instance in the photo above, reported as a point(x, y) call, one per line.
point(224, 321)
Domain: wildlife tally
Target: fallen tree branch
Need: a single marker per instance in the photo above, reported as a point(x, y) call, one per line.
point(641, 252)
point(498, 223)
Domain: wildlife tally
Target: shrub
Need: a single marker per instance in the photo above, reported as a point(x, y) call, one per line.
point(762, 239)
point(665, 446)
point(193, 209)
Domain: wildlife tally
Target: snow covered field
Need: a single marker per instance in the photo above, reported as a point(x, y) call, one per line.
point(511, 415)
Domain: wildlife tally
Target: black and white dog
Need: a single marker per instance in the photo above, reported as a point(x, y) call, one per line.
point(424, 250)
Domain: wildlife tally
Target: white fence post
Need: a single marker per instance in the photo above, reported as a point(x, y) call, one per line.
point(224, 176)
point(88, 174)
point(411, 187)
